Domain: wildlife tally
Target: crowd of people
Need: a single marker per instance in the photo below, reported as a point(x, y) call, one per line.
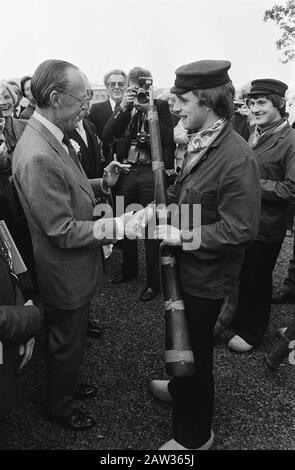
point(62, 158)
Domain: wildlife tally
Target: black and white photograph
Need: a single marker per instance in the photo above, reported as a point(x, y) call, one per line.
point(147, 239)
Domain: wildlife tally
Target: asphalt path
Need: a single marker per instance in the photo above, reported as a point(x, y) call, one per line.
point(254, 408)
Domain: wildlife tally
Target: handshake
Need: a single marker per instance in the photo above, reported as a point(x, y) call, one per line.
point(130, 225)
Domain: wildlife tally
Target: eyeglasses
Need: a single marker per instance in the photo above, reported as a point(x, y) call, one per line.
point(82, 101)
point(114, 84)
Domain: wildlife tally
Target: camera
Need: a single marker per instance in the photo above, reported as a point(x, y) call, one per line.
point(143, 90)
point(239, 104)
point(143, 138)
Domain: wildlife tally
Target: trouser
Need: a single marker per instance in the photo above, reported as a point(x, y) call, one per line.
point(289, 282)
point(255, 291)
point(138, 187)
point(65, 338)
point(193, 396)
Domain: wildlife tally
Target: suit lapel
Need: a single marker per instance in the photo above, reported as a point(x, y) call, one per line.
point(108, 108)
point(63, 154)
point(93, 144)
point(91, 136)
point(76, 136)
point(19, 126)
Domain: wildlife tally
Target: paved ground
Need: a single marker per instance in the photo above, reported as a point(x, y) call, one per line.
point(254, 408)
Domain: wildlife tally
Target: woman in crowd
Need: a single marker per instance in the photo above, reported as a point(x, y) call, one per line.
point(25, 85)
point(11, 210)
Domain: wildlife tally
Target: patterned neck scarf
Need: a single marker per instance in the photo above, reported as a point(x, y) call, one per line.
point(199, 142)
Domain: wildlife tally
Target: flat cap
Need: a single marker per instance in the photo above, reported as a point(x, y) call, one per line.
point(268, 86)
point(201, 75)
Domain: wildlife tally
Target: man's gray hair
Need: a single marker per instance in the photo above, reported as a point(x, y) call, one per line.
point(50, 75)
point(113, 72)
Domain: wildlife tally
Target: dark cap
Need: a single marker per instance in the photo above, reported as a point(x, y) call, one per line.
point(268, 86)
point(201, 75)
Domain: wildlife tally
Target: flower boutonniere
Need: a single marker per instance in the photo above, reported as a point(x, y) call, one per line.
point(75, 145)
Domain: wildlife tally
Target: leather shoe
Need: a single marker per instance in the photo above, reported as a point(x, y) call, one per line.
point(94, 330)
point(174, 445)
point(83, 391)
point(120, 279)
point(159, 389)
point(238, 344)
point(77, 420)
point(284, 297)
point(148, 294)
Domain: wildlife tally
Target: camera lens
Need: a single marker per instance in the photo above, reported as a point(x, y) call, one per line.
point(142, 96)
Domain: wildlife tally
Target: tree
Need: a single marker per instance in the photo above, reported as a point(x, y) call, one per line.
point(284, 17)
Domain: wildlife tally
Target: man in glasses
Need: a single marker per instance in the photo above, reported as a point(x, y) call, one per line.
point(59, 202)
point(115, 83)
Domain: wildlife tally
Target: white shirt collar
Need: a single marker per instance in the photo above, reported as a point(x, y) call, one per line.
point(56, 131)
point(113, 103)
point(81, 130)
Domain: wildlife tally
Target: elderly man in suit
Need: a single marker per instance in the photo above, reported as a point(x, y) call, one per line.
point(90, 154)
point(115, 83)
point(59, 201)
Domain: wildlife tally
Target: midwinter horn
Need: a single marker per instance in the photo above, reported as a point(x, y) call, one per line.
point(179, 356)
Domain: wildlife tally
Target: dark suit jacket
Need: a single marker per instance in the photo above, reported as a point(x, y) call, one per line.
point(10, 208)
point(17, 325)
point(99, 115)
point(90, 155)
point(22, 108)
point(58, 201)
point(117, 129)
point(27, 112)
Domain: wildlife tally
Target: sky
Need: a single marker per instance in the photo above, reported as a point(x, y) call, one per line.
point(160, 35)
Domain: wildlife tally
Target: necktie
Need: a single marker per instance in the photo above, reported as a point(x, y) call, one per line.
point(72, 151)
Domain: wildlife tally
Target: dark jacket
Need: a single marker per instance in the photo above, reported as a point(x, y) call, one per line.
point(225, 182)
point(99, 115)
point(240, 125)
point(27, 112)
point(10, 207)
point(90, 155)
point(116, 129)
point(17, 325)
point(276, 161)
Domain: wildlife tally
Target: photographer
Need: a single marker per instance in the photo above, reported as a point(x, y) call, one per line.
point(243, 120)
point(127, 128)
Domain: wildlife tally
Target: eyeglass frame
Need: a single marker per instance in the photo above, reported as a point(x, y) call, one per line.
point(82, 101)
point(113, 84)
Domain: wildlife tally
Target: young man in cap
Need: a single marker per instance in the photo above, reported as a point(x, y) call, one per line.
point(220, 174)
point(273, 143)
